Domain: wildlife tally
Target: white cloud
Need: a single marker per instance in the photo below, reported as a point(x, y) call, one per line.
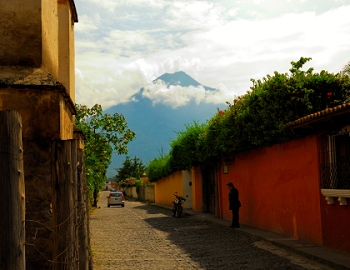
point(88, 24)
point(113, 5)
point(110, 5)
point(250, 49)
point(115, 60)
point(193, 15)
point(177, 96)
point(133, 41)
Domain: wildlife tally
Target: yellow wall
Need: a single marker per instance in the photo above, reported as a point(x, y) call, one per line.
point(66, 53)
point(58, 42)
point(37, 48)
point(66, 120)
point(50, 37)
point(20, 28)
point(40, 33)
point(41, 112)
point(167, 186)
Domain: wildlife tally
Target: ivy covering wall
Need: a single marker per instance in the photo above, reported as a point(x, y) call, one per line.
point(255, 119)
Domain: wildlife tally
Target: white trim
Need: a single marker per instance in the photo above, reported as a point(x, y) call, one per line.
point(342, 195)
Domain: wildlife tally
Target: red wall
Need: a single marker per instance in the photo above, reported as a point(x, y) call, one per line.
point(336, 225)
point(279, 189)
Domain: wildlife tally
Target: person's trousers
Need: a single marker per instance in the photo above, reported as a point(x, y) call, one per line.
point(235, 217)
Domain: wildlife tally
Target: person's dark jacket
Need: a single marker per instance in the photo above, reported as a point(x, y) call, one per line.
point(233, 199)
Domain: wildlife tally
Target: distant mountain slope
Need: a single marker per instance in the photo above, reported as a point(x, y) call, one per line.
point(180, 78)
point(155, 125)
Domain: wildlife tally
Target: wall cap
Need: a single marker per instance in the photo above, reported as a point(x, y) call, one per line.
point(342, 195)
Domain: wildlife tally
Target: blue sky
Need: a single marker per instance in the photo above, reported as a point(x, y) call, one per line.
point(123, 45)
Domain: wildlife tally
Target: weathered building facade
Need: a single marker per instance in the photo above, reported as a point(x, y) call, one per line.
point(37, 80)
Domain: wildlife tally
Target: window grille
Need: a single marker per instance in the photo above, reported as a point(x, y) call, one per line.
point(335, 161)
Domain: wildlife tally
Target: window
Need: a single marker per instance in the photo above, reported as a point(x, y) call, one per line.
point(335, 166)
point(335, 161)
point(116, 195)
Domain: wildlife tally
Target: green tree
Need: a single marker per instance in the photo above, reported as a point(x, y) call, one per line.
point(346, 69)
point(158, 168)
point(131, 168)
point(255, 119)
point(185, 148)
point(103, 134)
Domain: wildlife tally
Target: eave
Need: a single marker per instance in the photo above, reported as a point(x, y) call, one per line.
point(328, 119)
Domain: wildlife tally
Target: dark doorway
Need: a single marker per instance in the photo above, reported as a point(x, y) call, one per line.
point(209, 189)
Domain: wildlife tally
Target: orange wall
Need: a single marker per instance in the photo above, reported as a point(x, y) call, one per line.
point(279, 189)
point(167, 186)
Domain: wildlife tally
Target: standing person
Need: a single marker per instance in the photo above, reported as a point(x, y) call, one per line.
point(234, 205)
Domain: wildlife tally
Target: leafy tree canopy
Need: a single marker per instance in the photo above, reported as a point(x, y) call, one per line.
point(131, 168)
point(103, 134)
point(255, 119)
point(158, 168)
point(346, 69)
point(186, 147)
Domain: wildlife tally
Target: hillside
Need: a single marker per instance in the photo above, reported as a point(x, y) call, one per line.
point(155, 125)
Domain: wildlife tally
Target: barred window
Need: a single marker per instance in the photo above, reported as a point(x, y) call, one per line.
point(335, 161)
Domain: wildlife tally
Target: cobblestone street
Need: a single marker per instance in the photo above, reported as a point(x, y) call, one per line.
point(143, 236)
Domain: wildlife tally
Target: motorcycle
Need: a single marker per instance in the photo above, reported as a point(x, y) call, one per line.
point(177, 209)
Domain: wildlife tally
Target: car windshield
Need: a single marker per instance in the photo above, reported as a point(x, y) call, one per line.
point(116, 194)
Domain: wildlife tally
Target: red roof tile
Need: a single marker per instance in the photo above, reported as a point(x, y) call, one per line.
point(340, 109)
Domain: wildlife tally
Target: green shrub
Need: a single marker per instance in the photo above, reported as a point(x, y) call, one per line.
point(255, 119)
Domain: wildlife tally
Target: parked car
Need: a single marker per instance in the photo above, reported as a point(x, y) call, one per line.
point(116, 198)
point(113, 189)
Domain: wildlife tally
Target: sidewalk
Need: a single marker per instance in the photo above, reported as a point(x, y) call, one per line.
point(324, 255)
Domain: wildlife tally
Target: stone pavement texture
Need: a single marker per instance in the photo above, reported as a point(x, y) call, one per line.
point(145, 236)
point(333, 258)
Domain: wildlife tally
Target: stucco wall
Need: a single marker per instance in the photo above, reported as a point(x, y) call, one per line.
point(187, 191)
point(50, 36)
point(37, 33)
point(20, 31)
point(39, 111)
point(66, 120)
point(131, 192)
point(149, 193)
point(197, 190)
point(42, 112)
point(167, 186)
point(336, 224)
point(66, 51)
point(279, 189)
